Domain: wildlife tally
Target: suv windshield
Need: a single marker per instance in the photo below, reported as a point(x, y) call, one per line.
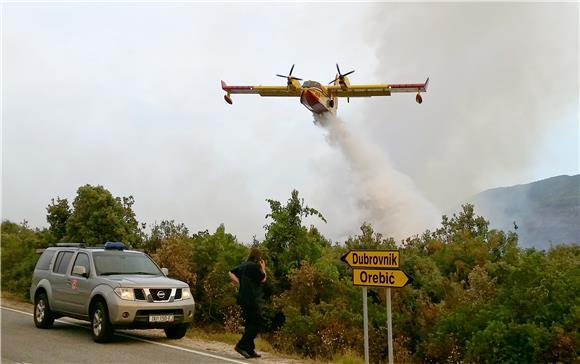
point(108, 263)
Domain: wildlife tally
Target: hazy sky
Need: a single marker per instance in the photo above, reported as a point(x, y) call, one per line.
point(128, 96)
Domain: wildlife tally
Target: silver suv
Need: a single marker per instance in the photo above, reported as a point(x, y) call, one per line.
point(112, 288)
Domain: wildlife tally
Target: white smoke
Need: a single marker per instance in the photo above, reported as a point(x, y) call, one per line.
point(502, 106)
point(389, 198)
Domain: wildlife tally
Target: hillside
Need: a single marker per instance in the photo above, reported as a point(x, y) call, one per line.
point(547, 212)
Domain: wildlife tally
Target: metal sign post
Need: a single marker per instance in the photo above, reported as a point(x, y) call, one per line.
point(389, 325)
point(366, 324)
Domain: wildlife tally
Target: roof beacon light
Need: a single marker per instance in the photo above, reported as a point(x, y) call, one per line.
point(114, 245)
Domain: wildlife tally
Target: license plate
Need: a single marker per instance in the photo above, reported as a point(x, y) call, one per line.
point(160, 318)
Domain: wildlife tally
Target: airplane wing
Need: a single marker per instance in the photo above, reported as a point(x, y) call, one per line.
point(376, 90)
point(263, 90)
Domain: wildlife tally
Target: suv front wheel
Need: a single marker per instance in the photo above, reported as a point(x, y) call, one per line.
point(175, 332)
point(43, 316)
point(101, 327)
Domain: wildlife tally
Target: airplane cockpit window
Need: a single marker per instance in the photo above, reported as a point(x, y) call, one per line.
point(311, 84)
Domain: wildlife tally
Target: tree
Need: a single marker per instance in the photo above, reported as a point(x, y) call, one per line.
point(57, 217)
point(212, 257)
point(287, 241)
point(369, 239)
point(99, 217)
point(175, 253)
point(162, 231)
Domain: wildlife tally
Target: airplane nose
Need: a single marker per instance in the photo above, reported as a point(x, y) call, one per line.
point(310, 97)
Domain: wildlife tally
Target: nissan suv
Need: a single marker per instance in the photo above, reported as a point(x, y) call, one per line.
point(111, 287)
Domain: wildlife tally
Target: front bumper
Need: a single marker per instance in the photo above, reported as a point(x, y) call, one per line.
point(135, 314)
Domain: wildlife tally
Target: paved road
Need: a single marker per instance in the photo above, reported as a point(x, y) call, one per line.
point(71, 342)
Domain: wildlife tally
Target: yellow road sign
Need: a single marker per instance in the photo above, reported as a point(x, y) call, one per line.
point(379, 278)
point(372, 258)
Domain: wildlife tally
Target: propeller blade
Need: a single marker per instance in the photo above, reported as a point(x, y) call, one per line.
point(340, 75)
point(290, 77)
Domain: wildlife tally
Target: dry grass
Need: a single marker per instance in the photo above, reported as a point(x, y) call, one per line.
point(348, 358)
point(12, 296)
point(227, 338)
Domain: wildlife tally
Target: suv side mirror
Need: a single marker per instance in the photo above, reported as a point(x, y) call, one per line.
point(165, 271)
point(80, 270)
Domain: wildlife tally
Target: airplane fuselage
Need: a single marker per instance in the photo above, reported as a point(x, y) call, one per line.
point(317, 100)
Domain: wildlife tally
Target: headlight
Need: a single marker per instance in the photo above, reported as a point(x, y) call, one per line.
point(125, 293)
point(185, 293)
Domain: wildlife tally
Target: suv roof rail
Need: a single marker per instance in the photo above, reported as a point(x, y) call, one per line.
point(70, 245)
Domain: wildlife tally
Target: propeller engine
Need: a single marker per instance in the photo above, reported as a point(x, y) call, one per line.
point(340, 76)
point(290, 78)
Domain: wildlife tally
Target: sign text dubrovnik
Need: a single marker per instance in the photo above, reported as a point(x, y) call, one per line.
point(372, 258)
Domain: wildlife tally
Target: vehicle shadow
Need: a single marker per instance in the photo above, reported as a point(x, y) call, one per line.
point(81, 330)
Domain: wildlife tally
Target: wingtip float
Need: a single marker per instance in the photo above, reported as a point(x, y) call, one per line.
point(320, 99)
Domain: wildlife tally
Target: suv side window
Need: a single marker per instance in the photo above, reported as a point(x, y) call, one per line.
point(44, 260)
point(62, 260)
point(83, 261)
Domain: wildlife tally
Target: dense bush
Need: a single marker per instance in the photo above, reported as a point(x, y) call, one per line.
point(475, 296)
point(19, 245)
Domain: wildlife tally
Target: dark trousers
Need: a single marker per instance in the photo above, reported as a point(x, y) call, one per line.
point(252, 318)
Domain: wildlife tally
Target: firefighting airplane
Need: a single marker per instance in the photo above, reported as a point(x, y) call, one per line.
point(321, 99)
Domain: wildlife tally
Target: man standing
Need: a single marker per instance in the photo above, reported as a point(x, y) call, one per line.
point(250, 275)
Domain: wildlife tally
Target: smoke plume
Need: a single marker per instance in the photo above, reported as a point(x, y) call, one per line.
point(503, 94)
point(388, 197)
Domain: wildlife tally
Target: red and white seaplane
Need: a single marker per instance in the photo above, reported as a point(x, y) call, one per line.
point(320, 98)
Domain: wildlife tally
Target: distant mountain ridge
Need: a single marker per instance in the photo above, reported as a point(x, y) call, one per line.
point(546, 212)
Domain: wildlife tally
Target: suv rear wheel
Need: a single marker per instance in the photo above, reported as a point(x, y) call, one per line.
point(101, 327)
point(43, 316)
point(175, 332)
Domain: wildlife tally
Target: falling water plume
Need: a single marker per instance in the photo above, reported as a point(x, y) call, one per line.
point(389, 198)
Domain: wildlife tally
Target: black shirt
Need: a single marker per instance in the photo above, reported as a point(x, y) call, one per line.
point(250, 277)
